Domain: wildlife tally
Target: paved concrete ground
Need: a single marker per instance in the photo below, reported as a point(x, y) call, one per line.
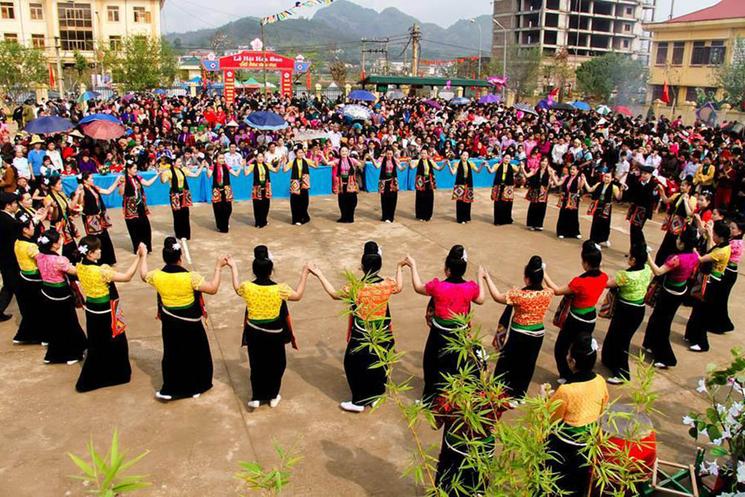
point(195, 445)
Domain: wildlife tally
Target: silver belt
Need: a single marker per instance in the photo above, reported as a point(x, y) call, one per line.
point(55, 298)
point(189, 320)
point(29, 279)
point(583, 320)
point(87, 309)
point(249, 323)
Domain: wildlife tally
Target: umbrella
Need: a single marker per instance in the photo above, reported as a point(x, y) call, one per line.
point(603, 110)
point(160, 91)
point(356, 112)
point(232, 124)
point(434, 104)
point(622, 109)
point(100, 117)
point(583, 106)
point(543, 104)
point(363, 95)
point(561, 106)
point(103, 130)
point(311, 134)
point(490, 99)
point(89, 95)
point(460, 101)
point(394, 95)
point(446, 95)
point(48, 124)
point(266, 121)
point(525, 108)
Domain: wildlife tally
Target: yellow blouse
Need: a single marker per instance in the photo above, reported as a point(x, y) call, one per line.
point(581, 403)
point(26, 256)
point(95, 280)
point(264, 302)
point(176, 290)
point(180, 177)
point(720, 257)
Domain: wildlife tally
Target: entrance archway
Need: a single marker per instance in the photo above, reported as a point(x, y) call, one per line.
point(256, 61)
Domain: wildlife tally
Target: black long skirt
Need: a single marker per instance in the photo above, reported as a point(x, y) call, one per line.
point(703, 314)
point(462, 211)
point(140, 232)
point(720, 321)
point(261, 212)
point(366, 383)
point(667, 248)
point(437, 363)
point(424, 204)
point(347, 205)
point(502, 212)
point(267, 360)
point(568, 223)
point(570, 465)
point(452, 465)
point(657, 336)
point(388, 201)
point(31, 330)
point(574, 327)
point(222, 211)
point(108, 255)
point(67, 341)
point(600, 228)
point(187, 361)
point(299, 207)
point(516, 363)
point(107, 361)
point(181, 224)
point(536, 214)
point(626, 320)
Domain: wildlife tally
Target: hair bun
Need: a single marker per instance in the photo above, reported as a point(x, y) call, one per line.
point(535, 264)
point(456, 252)
point(261, 252)
point(371, 248)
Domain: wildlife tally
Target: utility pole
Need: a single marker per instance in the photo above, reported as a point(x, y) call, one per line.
point(672, 8)
point(416, 38)
point(380, 47)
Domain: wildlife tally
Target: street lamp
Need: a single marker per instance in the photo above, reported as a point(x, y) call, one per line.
point(473, 21)
point(504, 58)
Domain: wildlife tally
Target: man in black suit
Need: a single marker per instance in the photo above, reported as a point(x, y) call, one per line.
point(8, 263)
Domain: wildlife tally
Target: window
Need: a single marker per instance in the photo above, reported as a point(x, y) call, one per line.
point(716, 56)
point(37, 41)
point(37, 11)
point(141, 15)
point(678, 50)
point(626, 27)
point(112, 13)
point(661, 59)
point(11, 37)
point(76, 26)
point(629, 11)
point(711, 53)
point(7, 11)
point(700, 55)
point(115, 42)
point(625, 43)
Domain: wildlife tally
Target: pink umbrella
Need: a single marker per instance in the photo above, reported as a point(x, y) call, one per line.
point(103, 130)
point(621, 109)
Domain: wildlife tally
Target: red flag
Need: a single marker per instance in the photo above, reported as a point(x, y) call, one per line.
point(554, 93)
point(51, 77)
point(666, 94)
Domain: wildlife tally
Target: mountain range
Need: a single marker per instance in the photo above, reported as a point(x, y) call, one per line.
point(340, 26)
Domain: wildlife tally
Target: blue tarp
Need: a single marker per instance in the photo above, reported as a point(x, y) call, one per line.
point(201, 187)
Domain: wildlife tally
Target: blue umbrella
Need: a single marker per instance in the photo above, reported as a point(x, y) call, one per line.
point(363, 95)
point(543, 104)
point(160, 91)
point(100, 117)
point(89, 95)
point(266, 121)
point(460, 101)
point(583, 106)
point(48, 124)
point(356, 112)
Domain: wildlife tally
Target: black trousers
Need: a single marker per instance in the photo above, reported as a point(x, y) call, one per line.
point(502, 212)
point(222, 211)
point(366, 382)
point(424, 204)
point(657, 336)
point(516, 363)
point(724, 324)
point(536, 214)
point(626, 320)
point(9, 272)
point(267, 360)
point(570, 465)
point(347, 206)
point(568, 223)
point(600, 229)
point(261, 212)
point(703, 314)
point(462, 211)
point(299, 207)
point(574, 327)
point(181, 225)
point(140, 232)
point(388, 201)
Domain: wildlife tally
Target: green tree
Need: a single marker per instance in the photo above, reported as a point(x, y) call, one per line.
point(599, 77)
point(142, 63)
point(20, 67)
point(338, 70)
point(731, 76)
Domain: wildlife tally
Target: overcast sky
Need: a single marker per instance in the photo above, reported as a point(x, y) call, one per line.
point(185, 15)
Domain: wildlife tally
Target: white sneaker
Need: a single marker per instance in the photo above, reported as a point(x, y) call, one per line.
point(388, 221)
point(254, 404)
point(561, 237)
point(47, 362)
point(196, 395)
point(275, 401)
point(161, 396)
point(74, 361)
point(350, 406)
point(539, 228)
point(561, 381)
point(578, 237)
point(695, 348)
point(17, 342)
point(614, 380)
point(660, 365)
point(298, 224)
point(45, 344)
point(606, 244)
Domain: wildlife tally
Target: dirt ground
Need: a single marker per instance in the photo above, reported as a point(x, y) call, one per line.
point(195, 445)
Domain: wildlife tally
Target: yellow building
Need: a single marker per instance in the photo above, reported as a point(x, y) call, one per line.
point(687, 51)
point(61, 27)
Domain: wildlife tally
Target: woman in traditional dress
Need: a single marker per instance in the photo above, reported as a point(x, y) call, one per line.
point(175, 173)
point(261, 193)
point(107, 361)
point(463, 170)
point(503, 190)
point(300, 186)
point(267, 327)
point(632, 284)
point(579, 404)
point(450, 303)
point(675, 273)
point(520, 341)
point(706, 310)
point(222, 192)
point(60, 212)
point(187, 362)
point(425, 185)
point(26, 207)
point(388, 184)
point(370, 311)
point(724, 323)
point(28, 293)
point(539, 181)
point(571, 185)
point(67, 341)
point(680, 210)
point(344, 184)
point(582, 295)
point(603, 194)
point(95, 218)
point(134, 205)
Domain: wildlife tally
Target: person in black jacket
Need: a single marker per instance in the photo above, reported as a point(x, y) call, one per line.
point(9, 227)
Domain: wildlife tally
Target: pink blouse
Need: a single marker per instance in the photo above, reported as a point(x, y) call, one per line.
point(682, 265)
point(736, 255)
point(52, 267)
point(452, 299)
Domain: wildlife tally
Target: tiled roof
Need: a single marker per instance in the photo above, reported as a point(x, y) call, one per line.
point(725, 9)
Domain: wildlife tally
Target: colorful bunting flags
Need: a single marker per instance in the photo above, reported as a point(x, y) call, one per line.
point(286, 14)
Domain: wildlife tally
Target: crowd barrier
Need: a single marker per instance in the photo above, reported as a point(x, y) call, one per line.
point(320, 182)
